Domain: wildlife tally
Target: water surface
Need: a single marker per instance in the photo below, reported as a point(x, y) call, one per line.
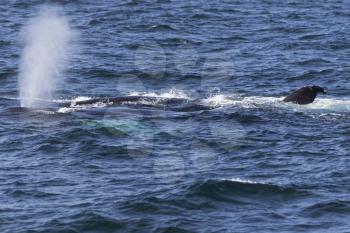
point(247, 162)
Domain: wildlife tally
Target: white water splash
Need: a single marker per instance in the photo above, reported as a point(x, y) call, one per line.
point(172, 93)
point(219, 100)
point(74, 108)
point(46, 41)
point(328, 106)
point(244, 181)
point(76, 99)
point(337, 105)
point(319, 105)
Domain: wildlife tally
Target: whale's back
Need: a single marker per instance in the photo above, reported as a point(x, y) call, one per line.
point(304, 95)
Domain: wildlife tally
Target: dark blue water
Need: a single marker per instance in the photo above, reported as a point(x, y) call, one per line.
point(245, 162)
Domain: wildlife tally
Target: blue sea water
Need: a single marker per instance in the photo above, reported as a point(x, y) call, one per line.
point(243, 162)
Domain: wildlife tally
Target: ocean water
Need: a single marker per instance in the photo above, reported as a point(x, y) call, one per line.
point(240, 160)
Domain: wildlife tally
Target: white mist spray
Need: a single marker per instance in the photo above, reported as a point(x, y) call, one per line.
point(46, 40)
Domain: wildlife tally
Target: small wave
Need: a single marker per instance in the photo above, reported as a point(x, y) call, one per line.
point(124, 126)
point(242, 191)
point(309, 75)
point(334, 207)
point(161, 27)
point(313, 61)
point(201, 16)
point(29, 193)
point(239, 180)
point(93, 222)
point(311, 36)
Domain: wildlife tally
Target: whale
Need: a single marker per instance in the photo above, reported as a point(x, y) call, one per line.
point(304, 95)
point(124, 99)
point(176, 104)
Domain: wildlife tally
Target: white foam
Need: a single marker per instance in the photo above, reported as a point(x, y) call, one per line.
point(142, 102)
point(76, 99)
point(46, 112)
point(245, 181)
point(218, 100)
point(74, 108)
point(81, 98)
point(337, 105)
point(172, 93)
point(320, 104)
point(221, 100)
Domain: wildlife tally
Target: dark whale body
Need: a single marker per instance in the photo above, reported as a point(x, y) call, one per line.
point(124, 99)
point(304, 95)
point(177, 104)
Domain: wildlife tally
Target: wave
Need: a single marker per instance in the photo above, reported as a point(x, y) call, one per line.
point(333, 207)
point(91, 222)
point(312, 36)
point(313, 61)
point(161, 28)
point(243, 191)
